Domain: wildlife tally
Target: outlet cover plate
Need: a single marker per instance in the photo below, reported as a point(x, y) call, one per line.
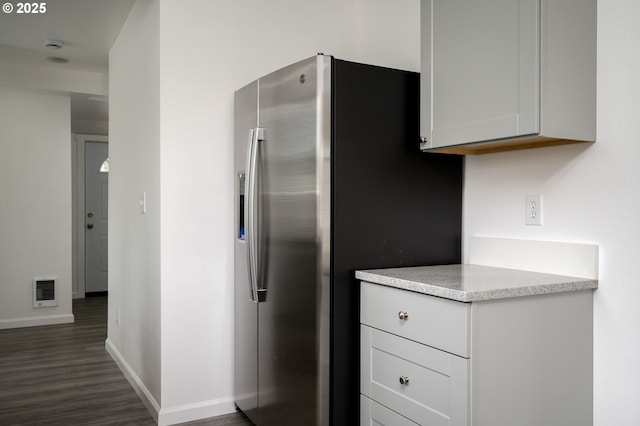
point(533, 209)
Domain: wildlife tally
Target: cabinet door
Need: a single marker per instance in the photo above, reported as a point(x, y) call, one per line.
point(480, 70)
point(425, 385)
point(374, 414)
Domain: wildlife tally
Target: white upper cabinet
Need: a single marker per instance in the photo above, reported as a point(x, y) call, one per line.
point(507, 74)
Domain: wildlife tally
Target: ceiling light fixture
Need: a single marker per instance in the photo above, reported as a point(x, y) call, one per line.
point(53, 44)
point(57, 59)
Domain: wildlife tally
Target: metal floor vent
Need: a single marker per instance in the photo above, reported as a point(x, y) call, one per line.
point(45, 292)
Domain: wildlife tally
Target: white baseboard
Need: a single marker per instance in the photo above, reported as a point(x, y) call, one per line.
point(145, 396)
point(197, 411)
point(552, 257)
point(173, 415)
point(36, 321)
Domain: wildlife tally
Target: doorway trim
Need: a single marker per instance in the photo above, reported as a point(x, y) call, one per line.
point(78, 143)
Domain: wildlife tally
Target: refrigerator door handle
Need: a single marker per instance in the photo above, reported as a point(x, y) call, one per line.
point(249, 220)
point(252, 231)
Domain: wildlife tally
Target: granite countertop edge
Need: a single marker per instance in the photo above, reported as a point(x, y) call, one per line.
point(563, 284)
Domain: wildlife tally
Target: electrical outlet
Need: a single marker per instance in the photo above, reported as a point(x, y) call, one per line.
point(533, 209)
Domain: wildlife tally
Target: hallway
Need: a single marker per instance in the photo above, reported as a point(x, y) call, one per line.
point(62, 375)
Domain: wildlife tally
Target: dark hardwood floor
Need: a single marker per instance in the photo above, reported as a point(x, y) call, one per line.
point(62, 375)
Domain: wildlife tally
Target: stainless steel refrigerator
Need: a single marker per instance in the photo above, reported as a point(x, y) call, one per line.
point(329, 179)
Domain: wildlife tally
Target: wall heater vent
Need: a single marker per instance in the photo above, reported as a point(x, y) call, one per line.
point(45, 292)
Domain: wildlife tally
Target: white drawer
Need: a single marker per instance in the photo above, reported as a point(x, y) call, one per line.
point(440, 323)
point(435, 383)
point(374, 414)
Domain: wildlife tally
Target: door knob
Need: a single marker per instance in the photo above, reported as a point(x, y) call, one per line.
point(89, 225)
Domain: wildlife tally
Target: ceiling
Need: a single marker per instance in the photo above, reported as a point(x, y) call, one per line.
point(86, 30)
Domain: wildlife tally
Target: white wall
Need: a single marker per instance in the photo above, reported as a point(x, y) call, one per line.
point(134, 160)
point(590, 195)
point(182, 156)
point(210, 48)
point(207, 50)
point(53, 78)
point(30, 116)
point(35, 210)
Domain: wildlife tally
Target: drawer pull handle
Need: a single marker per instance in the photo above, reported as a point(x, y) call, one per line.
point(403, 315)
point(404, 380)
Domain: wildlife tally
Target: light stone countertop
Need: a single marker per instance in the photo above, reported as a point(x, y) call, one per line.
point(469, 283)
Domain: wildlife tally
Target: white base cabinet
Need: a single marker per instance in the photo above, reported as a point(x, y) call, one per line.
point(524, 361)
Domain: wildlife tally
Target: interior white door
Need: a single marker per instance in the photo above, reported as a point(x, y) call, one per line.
point(96, 216)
